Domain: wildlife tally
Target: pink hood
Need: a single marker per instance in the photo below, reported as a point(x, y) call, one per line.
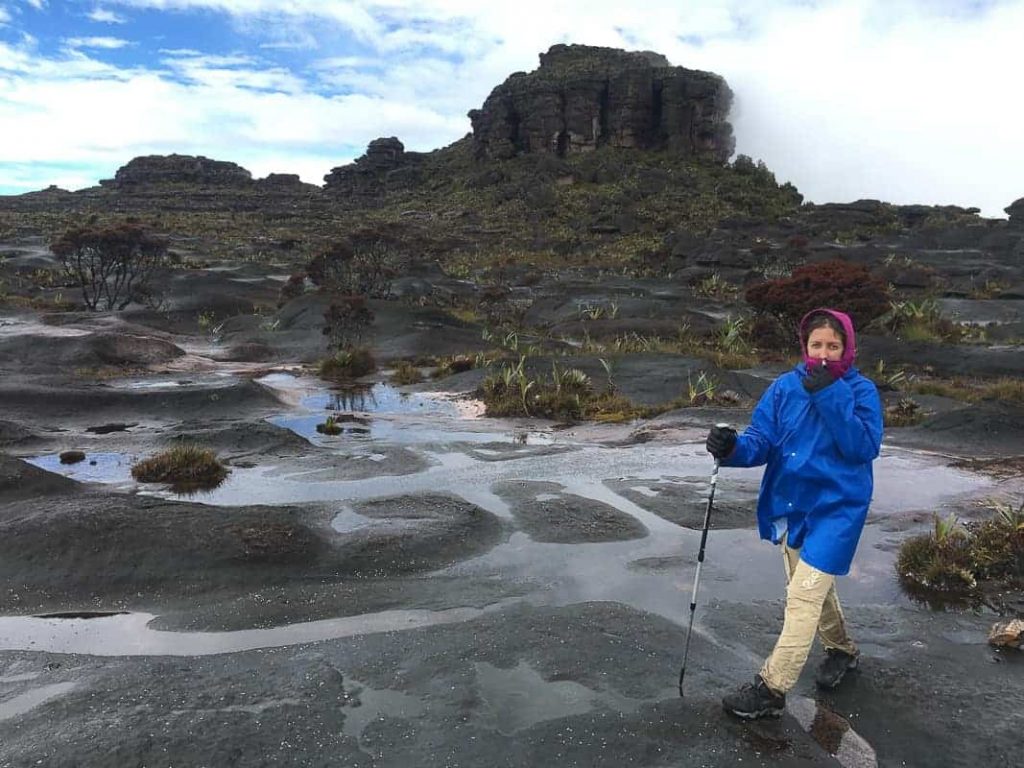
point(838, 367)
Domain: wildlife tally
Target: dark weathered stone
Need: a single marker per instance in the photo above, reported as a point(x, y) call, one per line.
point(584, 97)
point(179, 169)
point(385, 165)
point(1015, 210)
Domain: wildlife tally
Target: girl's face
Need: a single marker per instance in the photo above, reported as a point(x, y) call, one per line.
point(824, 344)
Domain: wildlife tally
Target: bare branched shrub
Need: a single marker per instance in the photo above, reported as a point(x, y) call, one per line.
point(111, 264)
point(364, 264)
point(346, 320)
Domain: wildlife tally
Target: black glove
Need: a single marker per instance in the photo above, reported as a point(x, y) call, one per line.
point(819, 378)
point(721, 441)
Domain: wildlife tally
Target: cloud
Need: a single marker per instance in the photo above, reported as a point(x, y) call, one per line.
point(109, 43)
point(103, 16)
point(902, 100)
point(219, 106)
point(37, 4)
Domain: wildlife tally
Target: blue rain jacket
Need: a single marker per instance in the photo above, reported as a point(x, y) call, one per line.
point(818, 449)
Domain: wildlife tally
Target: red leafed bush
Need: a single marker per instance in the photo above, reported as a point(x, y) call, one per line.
point(838, 284)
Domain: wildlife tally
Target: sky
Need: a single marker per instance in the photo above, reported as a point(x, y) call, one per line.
point(907, 101)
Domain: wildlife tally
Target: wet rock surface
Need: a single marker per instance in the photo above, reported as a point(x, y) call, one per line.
point(683, 501)
point(548, 514)
point(429, 587)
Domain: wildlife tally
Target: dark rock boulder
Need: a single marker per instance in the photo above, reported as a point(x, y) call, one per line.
point(179, 169)
point(1015, 211)
point(287, 182)
point(385, 166)
point(584, 97)
point(127, 349)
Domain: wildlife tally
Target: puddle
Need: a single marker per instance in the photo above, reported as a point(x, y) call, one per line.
point(347, 520)
point(379, 398)
point(129, 634)
point(520, 697)
point(110, 468)
point(369, 704)
point(385, 414)
point(19, 705)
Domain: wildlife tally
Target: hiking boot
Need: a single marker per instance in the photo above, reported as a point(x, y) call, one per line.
point(754, 700)
point(833, 667)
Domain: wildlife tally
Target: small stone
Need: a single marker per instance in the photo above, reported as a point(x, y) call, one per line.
point(72, 457)
point(1007, 634)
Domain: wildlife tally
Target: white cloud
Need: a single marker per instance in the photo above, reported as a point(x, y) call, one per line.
point(903, 100)
point(103, 16)
point(5, 16)
point(222, 110)
point(109, 43)
point(37, 4)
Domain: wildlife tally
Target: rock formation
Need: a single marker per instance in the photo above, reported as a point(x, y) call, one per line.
point(1016, 212)
point(584, 97)
point(385, 164)
point(178, 169)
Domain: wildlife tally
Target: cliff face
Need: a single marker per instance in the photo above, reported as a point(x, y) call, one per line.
point(583, 97)
point(178, 169)
point(385, 166)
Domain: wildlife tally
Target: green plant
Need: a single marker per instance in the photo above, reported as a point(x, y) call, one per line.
point(186, 467)
point(330, 426)
point(732, 335)
point(893, 380)
point(905, 413)
point(715, 287)
point(1008, 515)
point(406, 373)
point(205, 321)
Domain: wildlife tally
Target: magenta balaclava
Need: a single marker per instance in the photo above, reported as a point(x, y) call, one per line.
point(836, 367)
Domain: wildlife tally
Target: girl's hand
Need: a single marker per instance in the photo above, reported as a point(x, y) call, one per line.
point(819, 378)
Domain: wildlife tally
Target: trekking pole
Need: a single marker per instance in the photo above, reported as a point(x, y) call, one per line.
point(700, 562)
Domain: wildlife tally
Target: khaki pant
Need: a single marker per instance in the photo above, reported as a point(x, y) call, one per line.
point(811, 604)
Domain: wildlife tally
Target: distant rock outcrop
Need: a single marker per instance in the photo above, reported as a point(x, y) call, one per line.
point(1016, 213)
point(179, 169)
point(385, 165)
point(584, 97)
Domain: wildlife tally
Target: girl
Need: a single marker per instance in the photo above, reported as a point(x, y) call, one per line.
point(817, 428)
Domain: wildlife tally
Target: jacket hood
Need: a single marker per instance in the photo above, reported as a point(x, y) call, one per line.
point(837, 367)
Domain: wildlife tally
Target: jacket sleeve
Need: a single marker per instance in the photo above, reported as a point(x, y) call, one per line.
point(852, 413)
point(756, 442)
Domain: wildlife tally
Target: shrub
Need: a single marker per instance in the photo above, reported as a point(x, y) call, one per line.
point(346, 320)
point(329, 427)
point(954, 558)
point(511, 392)
point(919, 321)
point(110, 264)
point(186, 467)
point(456, 364)
point(348, 363)
point(836, 283)
point(939, 560)
point(363, 264)
point(905, 413)
point(715, 287)
point(406, 373)
point(294, 288)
